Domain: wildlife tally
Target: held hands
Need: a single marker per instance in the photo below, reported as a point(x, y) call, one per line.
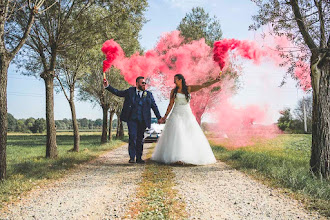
point(162, 120)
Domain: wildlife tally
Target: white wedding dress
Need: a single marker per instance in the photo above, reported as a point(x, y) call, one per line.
point(182, 139)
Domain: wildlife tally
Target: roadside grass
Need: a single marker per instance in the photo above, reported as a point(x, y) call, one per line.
point(282, 162)
point(27, 166)
point(156, 197)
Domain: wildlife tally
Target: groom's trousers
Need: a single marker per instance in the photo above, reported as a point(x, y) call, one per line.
point(135, 132)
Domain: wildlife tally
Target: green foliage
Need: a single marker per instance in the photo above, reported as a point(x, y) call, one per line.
point(284, 121)
point(32, 125)
point(290, 124)
point(285, 162)
point(26, 125)
point(39, 126)
point(12, 122)
point(124, 21)
point(27, 165)
point(198, 24)
point(83, 123)
point(21, 127)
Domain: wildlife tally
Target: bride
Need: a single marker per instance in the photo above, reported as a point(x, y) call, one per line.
point(182, 139)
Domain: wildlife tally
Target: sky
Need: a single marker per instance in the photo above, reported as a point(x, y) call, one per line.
point(260, 84)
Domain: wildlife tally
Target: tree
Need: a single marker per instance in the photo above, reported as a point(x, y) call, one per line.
point(70, 70)
point(124, 28)
point(306, 24)
point(98, 123)
point(305, 104)
point(30, 123)
point(91, 89)
point(39, 126)
point(111, 114)
point(12, 122)
point(120, 123)
point(198, 24)
point(8, 50)
point(21, 127)
point(49, 38)
point(284, 122)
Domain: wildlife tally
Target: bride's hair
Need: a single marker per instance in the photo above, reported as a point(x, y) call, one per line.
point(184, 87)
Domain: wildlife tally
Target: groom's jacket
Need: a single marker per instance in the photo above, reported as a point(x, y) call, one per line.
point(130, 103)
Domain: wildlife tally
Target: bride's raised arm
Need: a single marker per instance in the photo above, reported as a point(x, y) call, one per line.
point(170, 105)
point(195, 88)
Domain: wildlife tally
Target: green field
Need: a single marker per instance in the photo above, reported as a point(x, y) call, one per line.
point(281, 162)
point(27, 165)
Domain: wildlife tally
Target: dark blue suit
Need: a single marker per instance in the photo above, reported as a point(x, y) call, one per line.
point(136, 112)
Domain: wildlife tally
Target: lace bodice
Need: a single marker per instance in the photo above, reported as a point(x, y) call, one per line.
point(180, 99)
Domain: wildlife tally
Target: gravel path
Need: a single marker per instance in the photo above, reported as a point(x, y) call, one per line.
point(101, 189)
point(220, 192)
point(106, 187)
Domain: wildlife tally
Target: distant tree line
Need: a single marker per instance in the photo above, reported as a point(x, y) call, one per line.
point(32, 125)
point(293, 122)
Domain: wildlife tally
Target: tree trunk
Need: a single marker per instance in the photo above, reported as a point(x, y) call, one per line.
point(76, 136)
point(320, 157)
point(110, 124)
point(121, 130)
point(51, 148)
point(119, 122)
point(4, 64)
point(105, 124)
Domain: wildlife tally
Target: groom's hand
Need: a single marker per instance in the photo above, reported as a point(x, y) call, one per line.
point(105, 83)
point(160, 121)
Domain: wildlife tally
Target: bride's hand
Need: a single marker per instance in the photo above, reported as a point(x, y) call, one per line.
point(219, 76)
point(163, 120)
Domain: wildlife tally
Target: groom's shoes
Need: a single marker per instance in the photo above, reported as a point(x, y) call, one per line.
point(140, 161)
point(131, 161)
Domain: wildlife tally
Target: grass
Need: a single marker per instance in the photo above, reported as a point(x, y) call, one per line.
point(28, 167)
point(156, 196)
point(282, 162)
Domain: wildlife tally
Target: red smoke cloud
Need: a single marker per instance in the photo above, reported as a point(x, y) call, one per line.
point(112, 50)
point(245, 49)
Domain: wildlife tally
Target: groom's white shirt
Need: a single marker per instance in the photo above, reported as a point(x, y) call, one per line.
point(138, 92)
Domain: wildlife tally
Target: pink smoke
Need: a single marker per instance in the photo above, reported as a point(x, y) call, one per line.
point(252, 51)
point(245, 49)
point(112, 50)
point(240, 126)
point(196, 61)
point(302, 72)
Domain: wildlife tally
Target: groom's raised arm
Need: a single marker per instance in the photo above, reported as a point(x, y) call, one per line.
point(154, 107)
point(120, 93)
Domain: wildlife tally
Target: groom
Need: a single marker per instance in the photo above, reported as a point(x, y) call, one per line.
point(136, 112)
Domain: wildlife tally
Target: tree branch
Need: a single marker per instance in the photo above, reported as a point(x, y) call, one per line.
point(25, 35)
point(307, 38)
point(62, 87)
point(322, 31)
